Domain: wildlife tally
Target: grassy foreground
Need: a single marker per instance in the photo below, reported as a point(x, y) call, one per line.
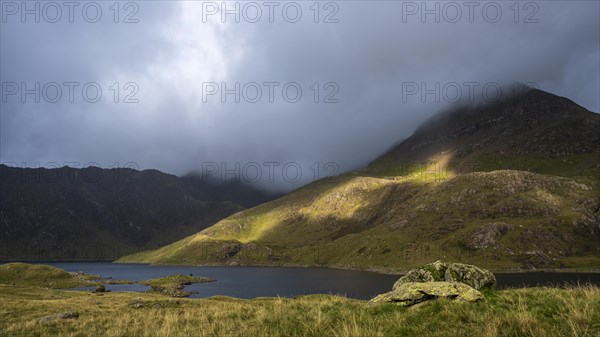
point(524, 312)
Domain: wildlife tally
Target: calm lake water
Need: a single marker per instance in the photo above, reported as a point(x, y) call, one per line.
point(251, 282)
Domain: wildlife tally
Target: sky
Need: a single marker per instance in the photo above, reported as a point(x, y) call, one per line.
point(272, 93)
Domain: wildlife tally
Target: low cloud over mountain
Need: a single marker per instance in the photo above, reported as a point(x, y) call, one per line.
point(375, 70)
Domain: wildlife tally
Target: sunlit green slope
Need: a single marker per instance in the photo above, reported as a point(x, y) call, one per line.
point(513, 185)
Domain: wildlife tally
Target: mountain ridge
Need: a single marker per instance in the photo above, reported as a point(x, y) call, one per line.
point(60, 213)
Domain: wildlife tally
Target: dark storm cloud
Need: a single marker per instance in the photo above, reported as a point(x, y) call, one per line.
point(368, 55)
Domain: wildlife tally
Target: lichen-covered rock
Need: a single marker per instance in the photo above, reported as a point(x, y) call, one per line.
point(474, 276)
point(428, 273)
point(411, 293)
point(416, 275)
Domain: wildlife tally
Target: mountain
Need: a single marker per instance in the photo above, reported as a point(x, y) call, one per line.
point(241, 193)
point(537, 132)
point(93, 213)
point(508, 185)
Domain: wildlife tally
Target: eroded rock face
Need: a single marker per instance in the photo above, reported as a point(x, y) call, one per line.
point(411, 293)
point(473, 276)
point(487, 235)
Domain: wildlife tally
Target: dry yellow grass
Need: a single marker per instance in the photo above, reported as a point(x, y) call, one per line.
point(525, 312)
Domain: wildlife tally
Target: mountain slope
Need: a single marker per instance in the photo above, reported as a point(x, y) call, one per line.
point(93, 213)
point(538, 132)
point(422, 201)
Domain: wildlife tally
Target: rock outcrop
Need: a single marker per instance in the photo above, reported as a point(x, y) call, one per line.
point(439, 280)
point(487, 235)
point(411, 293)
point(473, 276)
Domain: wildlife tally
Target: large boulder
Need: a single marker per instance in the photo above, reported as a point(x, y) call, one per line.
point(428, 273)
point(473, 276)
point(411, 293)
point(416, 275)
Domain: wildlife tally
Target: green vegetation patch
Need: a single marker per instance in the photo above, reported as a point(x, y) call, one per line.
point(38, 275)
point(173, 285)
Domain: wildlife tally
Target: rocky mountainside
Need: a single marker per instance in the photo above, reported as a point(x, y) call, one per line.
point(93, 213)
point(536, 131)
point(530, 201)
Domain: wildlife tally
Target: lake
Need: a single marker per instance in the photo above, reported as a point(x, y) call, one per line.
point(251, 282)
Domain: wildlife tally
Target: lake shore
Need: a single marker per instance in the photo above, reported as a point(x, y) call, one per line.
point(385, 271)
point(32, 304)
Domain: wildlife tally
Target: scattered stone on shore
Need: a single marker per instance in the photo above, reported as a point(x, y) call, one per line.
point(137, 303)
point(172, 291)
point(63, 315)
point(411, 293)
